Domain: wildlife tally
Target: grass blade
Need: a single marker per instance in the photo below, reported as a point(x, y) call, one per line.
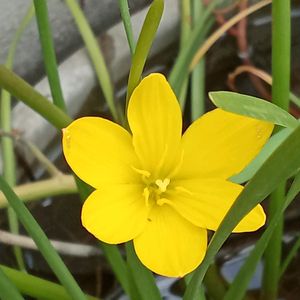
point(48, 51)
point(143, 278)
point(36, 287)
point(19, 88)
point(253, 107)
point(7, 290)
point(124, 10)
point(238, 287)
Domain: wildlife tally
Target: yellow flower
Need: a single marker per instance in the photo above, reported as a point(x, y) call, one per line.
point(156, 187)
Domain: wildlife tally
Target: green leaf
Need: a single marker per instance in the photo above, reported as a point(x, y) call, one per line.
point(46, 41)
point(143, 278)
point(285, 158)
point(42, 242)
point(7, 289)
point(263, 155)
point(253, 107)
point(238, 287)
point(143, 45)
point(37, 287)
point(19, 88)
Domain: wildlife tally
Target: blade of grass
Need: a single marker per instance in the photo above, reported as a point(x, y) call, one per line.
point(281, 47)
point(7, 290)
point(36, 287)
point(95, 54)
point(42, 242)
point(7, 146)
point(143, 45)
point(198, 74)
point(286, 159)
point(48, 51)
point(143, 277)
point(124, 10)
point(19, 88)
point(185, 31)
point(253, 107)
point(238, 287)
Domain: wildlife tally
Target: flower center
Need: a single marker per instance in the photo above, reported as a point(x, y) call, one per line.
point(154, 192)
point(155, 189)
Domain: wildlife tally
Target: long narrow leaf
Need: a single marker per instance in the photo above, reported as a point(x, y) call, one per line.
point(42, 242)
point(285, 158)
point(253, 107)
point(238, 287)
point(19, 88)
point(36, 287)
point(48, 51)
point(143, 277)
point(7, 289)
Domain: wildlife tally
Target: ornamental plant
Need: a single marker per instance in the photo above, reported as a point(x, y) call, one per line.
point(156, 187)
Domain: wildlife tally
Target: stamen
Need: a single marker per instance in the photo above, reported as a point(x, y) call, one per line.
point(142, 172)
point(162, 184)
point(146, 194)
point(163, 201)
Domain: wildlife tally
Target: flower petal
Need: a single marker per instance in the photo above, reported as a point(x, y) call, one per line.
point(170, 245)
point(115, 214)
point(155, 120)
point(99, 151)
point(205, 202)
point(220, 144)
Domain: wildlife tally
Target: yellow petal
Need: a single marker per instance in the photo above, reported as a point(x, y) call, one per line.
point(169, 245)
point(99, 151)
point(115, 214)
point(221, 144)
point(155, 120)
point(205, 202)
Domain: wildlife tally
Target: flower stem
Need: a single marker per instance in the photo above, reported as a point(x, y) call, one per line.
point(281, 43)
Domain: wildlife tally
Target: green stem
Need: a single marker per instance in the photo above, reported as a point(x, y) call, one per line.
point(7, 290)
point(124, 10)
point(42, 242)
point(19, 88)
point(36, 287)
point(281, 43)
point(46, 40)
point(214, 283)
point(95, 54)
